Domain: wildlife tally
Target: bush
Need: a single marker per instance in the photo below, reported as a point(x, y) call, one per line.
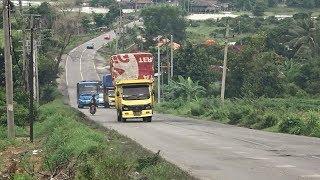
point(250, 119)
point(313, 125)
point(196, 109)
point(48, 93)
point(292, 125)
point(267, 121)
point(237, 112)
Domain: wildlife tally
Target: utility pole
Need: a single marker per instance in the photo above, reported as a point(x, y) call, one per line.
point(223, 84)
point(119, 27)
point(159, 75)
point(24, 49)
point(171, 57)
point(36, 77)
point(8, 68)
point(31, 92)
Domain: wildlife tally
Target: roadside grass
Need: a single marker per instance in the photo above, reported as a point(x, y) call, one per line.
point(199, 32)
point(292, 115)
point(82, 38)
point(70, 140)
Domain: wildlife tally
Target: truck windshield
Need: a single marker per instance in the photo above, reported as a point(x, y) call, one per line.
point(136, 92)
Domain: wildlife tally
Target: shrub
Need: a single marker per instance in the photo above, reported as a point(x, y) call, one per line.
point(312, 125)
point(250, 119)
point(196, 109)
point(268, 120)
point(221, 114)
point(48, 93)
point(292, 125)
point(237, 112)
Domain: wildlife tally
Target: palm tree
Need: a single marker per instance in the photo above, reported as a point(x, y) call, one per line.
point(184, 88)
point(303, 35)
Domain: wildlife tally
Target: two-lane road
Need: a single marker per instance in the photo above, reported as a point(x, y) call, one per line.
point(207, 150)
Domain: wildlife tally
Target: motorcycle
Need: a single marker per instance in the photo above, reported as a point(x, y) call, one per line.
point(93, 109)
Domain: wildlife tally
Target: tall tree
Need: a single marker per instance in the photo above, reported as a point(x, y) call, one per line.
point(304, 38)
point(164, 20)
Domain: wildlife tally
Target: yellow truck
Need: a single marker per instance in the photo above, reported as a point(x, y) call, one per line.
point(132, 76)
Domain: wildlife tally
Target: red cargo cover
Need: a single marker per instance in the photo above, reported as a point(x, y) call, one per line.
point(132, 66)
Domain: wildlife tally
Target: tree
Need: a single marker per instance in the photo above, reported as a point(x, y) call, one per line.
point(259, 8)
point(185, 88)
point(304, 38)
point(195, 62)
point(99, 19)
point(254, 71)
point(308, 78)
point(64, 28)
point(164, 20)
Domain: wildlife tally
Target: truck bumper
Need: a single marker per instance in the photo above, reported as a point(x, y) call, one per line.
point(140, 114)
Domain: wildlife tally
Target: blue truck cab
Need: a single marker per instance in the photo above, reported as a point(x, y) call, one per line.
point(85, 90)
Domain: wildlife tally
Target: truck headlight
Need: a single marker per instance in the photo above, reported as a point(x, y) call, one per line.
point(125, 108)
point(148, 106)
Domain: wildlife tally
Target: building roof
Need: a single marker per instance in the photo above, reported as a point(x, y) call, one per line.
point(207, 3)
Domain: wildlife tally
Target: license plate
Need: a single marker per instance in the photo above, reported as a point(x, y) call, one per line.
point(137, 113)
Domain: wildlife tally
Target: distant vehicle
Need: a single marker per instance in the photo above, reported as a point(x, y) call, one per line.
point(107, 37)
point(100, 99)
point(85, 90)
point(133, 77)
point(107, 86)
point(84, 100)
point(90, 46)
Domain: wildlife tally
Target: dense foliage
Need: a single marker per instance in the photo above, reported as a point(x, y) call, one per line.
point(275, 58)
point(164, 20)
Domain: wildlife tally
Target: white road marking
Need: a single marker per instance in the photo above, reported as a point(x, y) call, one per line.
point(94, 66)
point(258, 158)
point(240, 152)
point(225, 147)
point(311, 176)
point(81, 63)
point(285, 166)
point(315, 157)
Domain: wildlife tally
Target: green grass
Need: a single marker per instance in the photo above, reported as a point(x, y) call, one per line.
point(291, 115)
point(80, 39)
point(101, 153)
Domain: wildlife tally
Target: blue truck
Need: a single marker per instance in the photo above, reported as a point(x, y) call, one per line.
point(85, 90)
point(108, 90)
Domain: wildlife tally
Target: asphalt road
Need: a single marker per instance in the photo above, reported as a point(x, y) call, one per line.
point(207, 150)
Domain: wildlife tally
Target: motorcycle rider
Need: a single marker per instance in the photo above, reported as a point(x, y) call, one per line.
point(93, 104)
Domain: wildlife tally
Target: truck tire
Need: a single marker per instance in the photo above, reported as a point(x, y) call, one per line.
point(119, 117)
point(147, 119)
point(106, 105)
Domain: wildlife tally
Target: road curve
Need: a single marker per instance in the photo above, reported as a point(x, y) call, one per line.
point(207, 150)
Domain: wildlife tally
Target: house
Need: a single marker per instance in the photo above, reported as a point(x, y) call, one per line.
point(136, 4)
point(208, 6)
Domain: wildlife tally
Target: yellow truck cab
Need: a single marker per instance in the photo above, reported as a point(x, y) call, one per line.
point(134, 99)
point(111, 97)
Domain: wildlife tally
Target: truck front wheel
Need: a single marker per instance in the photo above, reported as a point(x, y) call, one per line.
point(119, 116)
point(147, 119)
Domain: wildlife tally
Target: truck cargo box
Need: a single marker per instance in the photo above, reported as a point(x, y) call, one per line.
point(130, 66)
